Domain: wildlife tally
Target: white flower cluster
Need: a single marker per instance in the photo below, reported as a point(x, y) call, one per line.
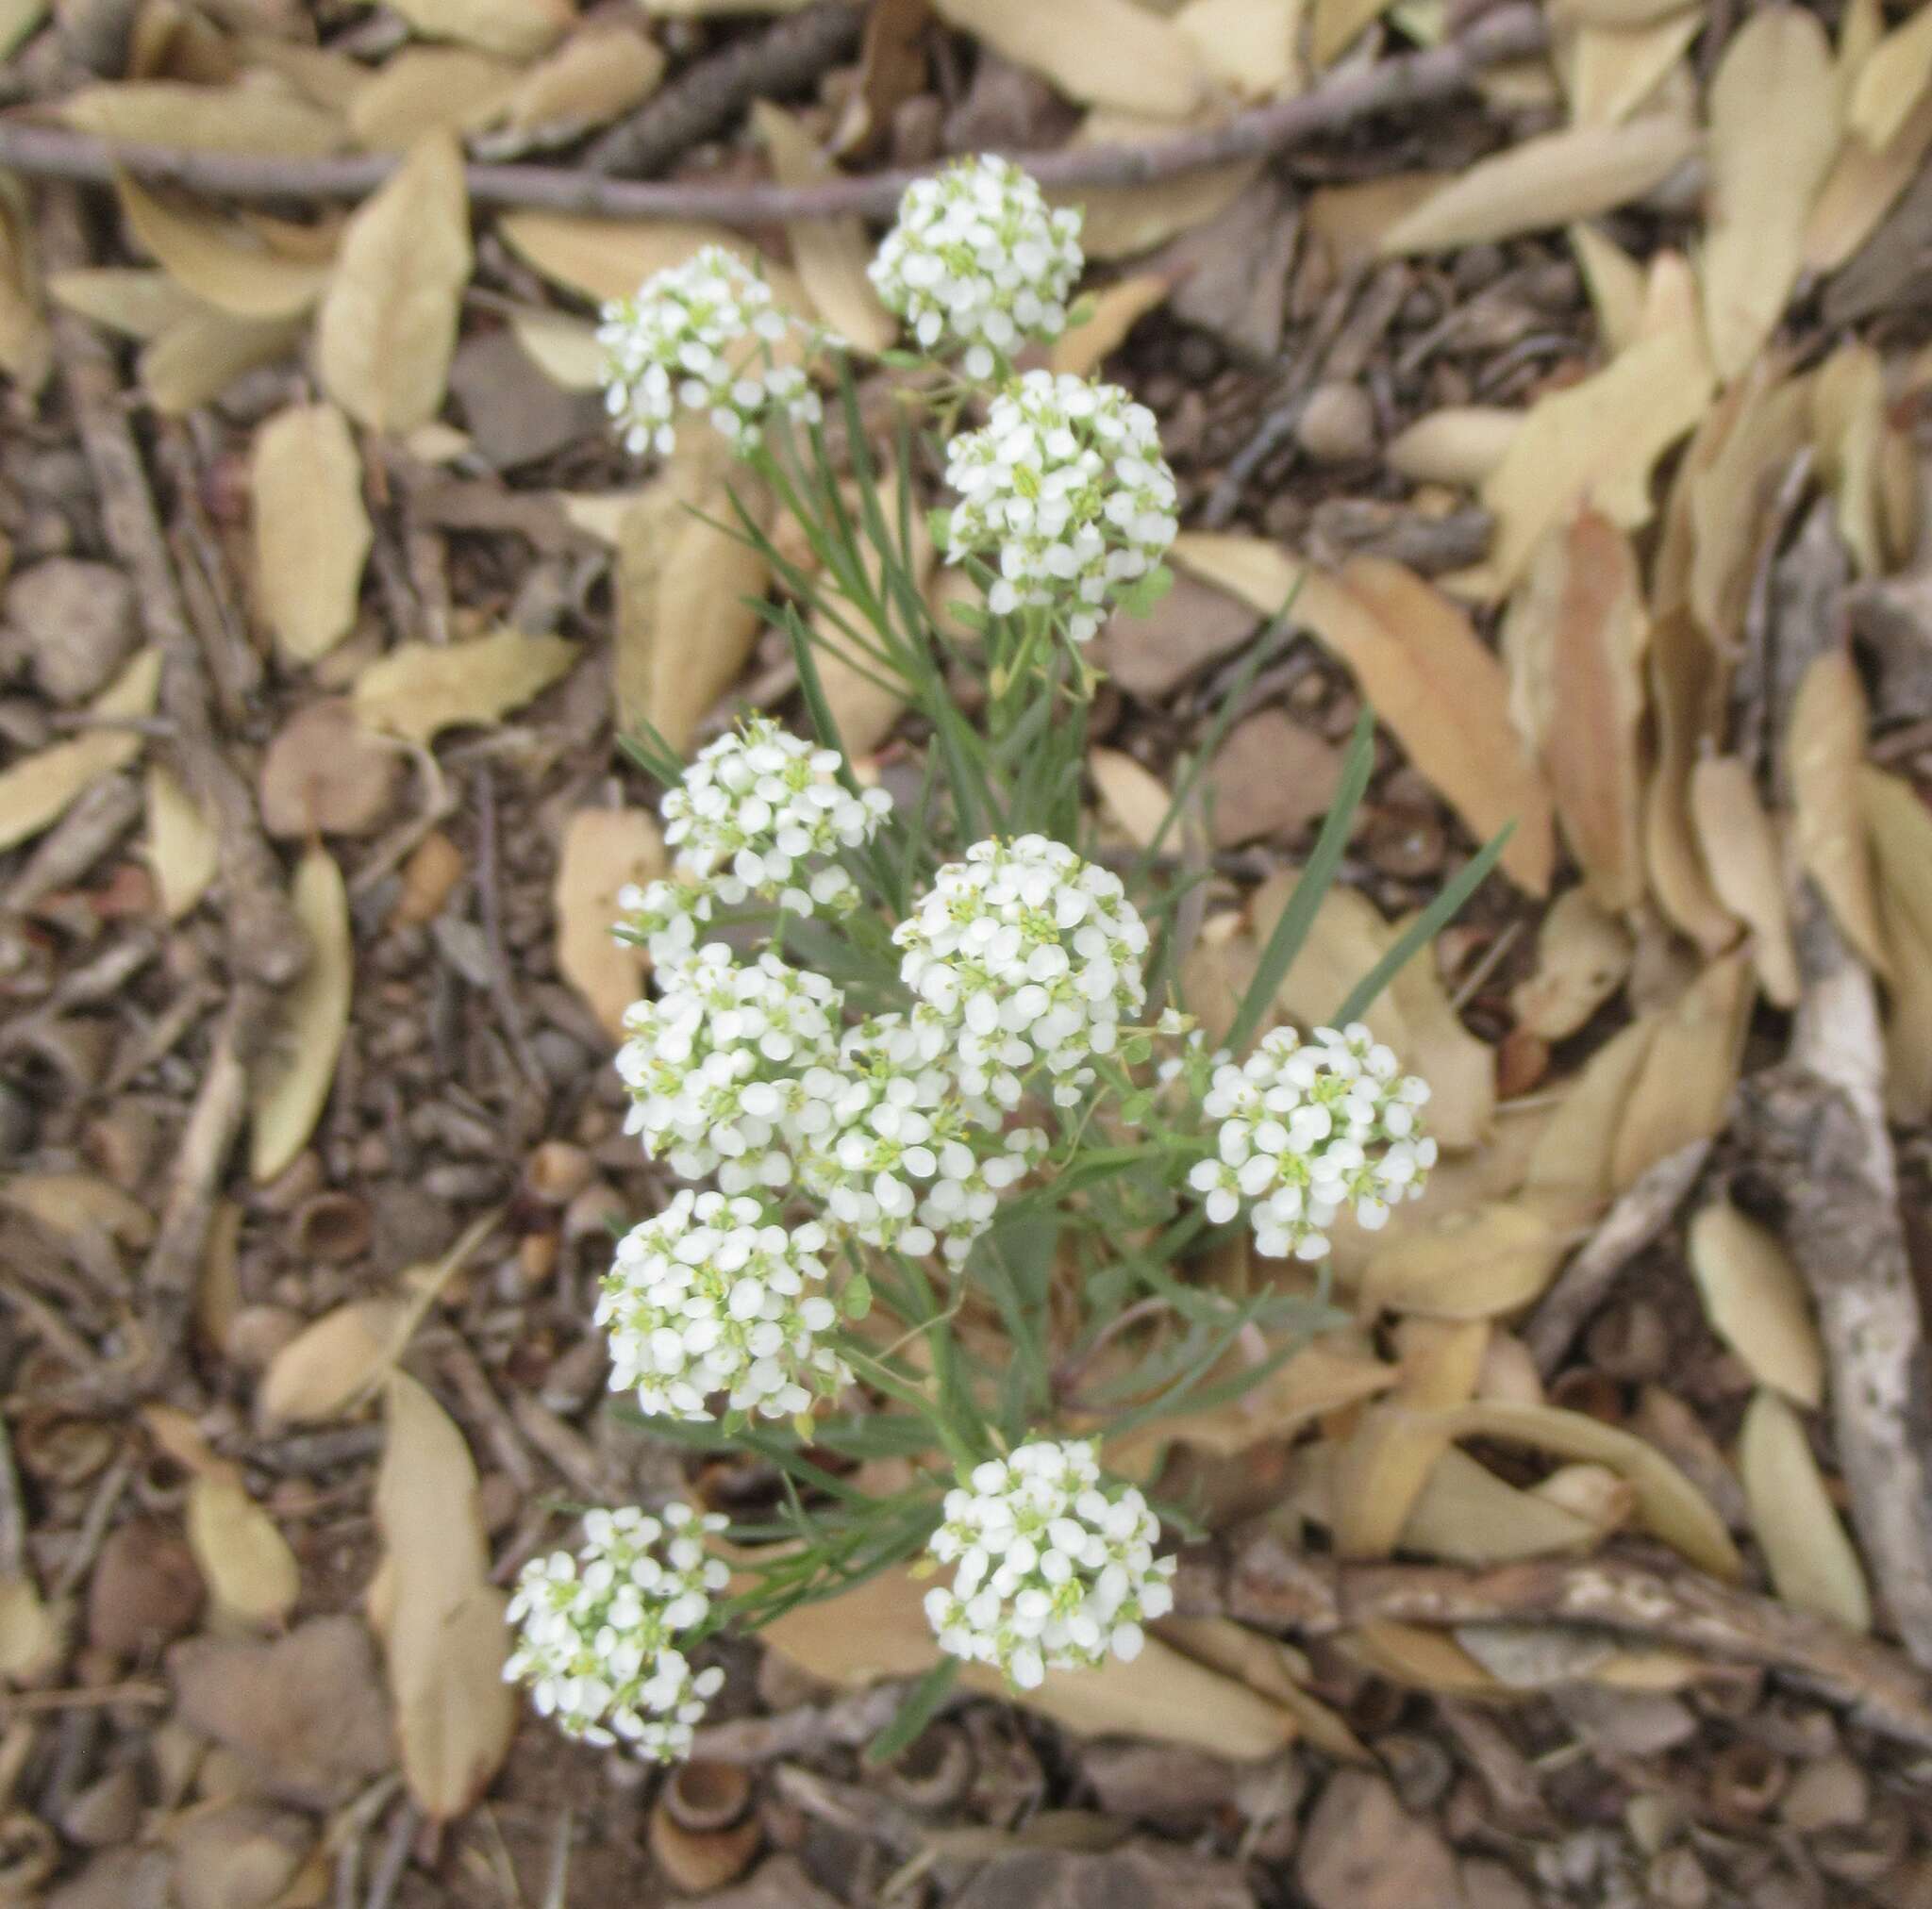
point(753, 808)
point(1065, 489)
point(1055, 1564)
point(699, 336)
point(1022, 954)
point(713, 1295)
point(978, 259)
point(603, 1633)
point(900, 1157)
point(1308, 1128)
point(713, 1064)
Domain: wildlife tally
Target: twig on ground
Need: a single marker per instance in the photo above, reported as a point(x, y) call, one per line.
point(856, 1719)
point(782, 59)
point(1637, 1217)
point(13, 1514)
point(1400, 84)
point(501, 988)
point(1269, 1585)
point(102, 815)
point(1817, 1126)
point(90, 1697)
point(265, 941)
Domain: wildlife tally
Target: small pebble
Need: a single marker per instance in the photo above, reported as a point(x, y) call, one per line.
point(1337, 424)
point(81, 622)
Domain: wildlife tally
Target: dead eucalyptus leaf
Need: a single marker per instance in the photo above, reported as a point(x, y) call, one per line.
point(604, 258)
point(1825, 754)
point(1687, 680)
point(388, 325)
point(685, 596)
point(1582, 955)
point(1419, 1659)
point(830, 255)
point(1893, 79)
point(1483, 1262)
point(1741, 852)
point(1377, 1476)
point(1810, 1559)
point(326, 773)
point(1615, 282)
point(1099, 52)
point(1901, 837)
point(1574, 639)
point(290, 1080)
point(517, 27)
point(420, 689)
point(330, 1363)
point(445, 1639)
point(1442, 1360)
point(311, 532)
point(1682, 1090)
point(1578, 1147)
point(183, 848)
point(564, 349)
point(36, 792)
point(1550, 180)
point(600, 72)
point(1133, 795)
point(130, 300)
point(245, 118)
point(1774, 131)
point(1862, 459)
point(197, 357)
point(1466, 1515)
point(1122, 222)
point(1755, 1298)
point(245, 1562)
point(1862, 188)
point(1267, 1664)
point(426, 90)
point(1081, 349)
point(220, 261)
point(605, 850)
point(1459, 444)
point(32, 1632)
point(1611, 71)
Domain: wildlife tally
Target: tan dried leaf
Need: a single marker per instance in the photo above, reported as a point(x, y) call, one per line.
point(1755, 1298)
point(311, 532)
point(598, 72)
point(290, 1080)
point(1248, 46)
point(830, 255)
point(1377, 1474)
point(199, 356)
point(1810, 1559)
point(266, 119)
point(32, 1632)
point(130, 300)
point(1900, 827)
point(1574, 639)
point(605, 850)
point(878, 1628)
point(388, 325)
point(1893, 81)
point(1466, 1515)
point(517, 27)
point(420, 689)
point(1862, 186)
point(445, 1639)
point(220, 261)
point(1860, 456)
point(1582, 955)
point(18, 18)
point(1099, 52)
point(1611, 71)
point(1577, 1148)
point(1459, 444)
point(1546, 181)
point(1615, 282)
point(1825, 754)
point(1774, 131)
point(1081, 349)
point(1741, 850)
point(685, 594)
point(26, 346)
point(1131, 793)
point(331, 1362)
point(1687, 690)
point(251, 1574)
point(183, 848)
point(429, 90)
point(36, 792)
point(564, 349)
point(1122, 222)
point(603, 258)
point(1485, 1262)
point(326, 773)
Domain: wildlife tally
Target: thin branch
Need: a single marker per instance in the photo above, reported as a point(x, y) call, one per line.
point(1400, 84)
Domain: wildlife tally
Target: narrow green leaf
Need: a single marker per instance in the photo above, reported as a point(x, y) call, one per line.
point(920, 1706)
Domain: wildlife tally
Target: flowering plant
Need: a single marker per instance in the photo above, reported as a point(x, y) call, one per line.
point(957, 1149)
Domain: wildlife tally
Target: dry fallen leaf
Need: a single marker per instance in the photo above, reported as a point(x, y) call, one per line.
point(197, 357)
point(445, 1640)
point(1810, 1559)
point(1574, 639)
point(1741, 850)
point(1774, 131)
point(602, 259)
point(516, 28)
point(183, 847)
point(131, 299)
point(1825, 754)
point(1615, 282)
point(429, 89)
point(1861, 189)
point(1611, 71)
point(1899, 829)
point(1868, 465)
point(1115, 309)
point(220, 261)
point(1464, 1514)
point(686, 592)
point(564, 349)
point(1132, 794)
point(598, 72)
point(1687, 691)
point(245, 1562)
point(1249, 47)
point(37, 790)
point(1575, 1149)
point(1460, 444)
point(1755, 1298)
point(420, 689)
point(311, 533)
point(330, 1363)
point(1099, 52)
point(1122, 222)
point(388, 325)
point(1484, 1262)
point(32, 1632)
point(290, 1080)
point(1582, 955)
point(604, 850)
point(1421, 667)
point(270, 120)
point(326, 773)
point(1893, 79)
point(1550, 180)
point(830, 255)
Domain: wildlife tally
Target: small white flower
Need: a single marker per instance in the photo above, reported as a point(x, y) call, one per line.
point(1065, 493)
point(711, 1296)
point(1309, 1128)
point(604, 1635)
point(978, 260)
point(699, 336)
point(712, 1064)
point(1053, 1564)
point(1022, 956)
